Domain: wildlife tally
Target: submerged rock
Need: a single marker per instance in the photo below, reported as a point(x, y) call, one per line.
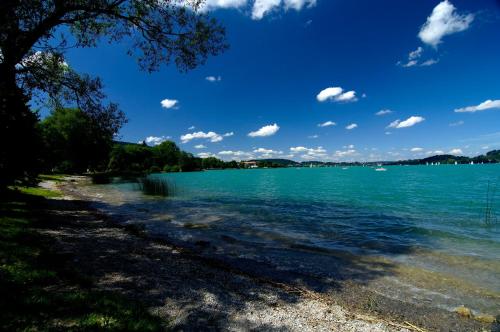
point(464, 311)
point(485, 318)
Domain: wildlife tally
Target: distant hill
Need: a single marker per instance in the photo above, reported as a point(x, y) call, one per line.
point(490, 157)
point(280, 162)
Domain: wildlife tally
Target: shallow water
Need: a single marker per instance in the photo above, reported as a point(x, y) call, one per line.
point(416, 233)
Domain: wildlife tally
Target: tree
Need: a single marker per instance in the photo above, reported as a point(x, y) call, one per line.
point(166, 153)
point(34, 35)
point(73, 142)
point(130, 158)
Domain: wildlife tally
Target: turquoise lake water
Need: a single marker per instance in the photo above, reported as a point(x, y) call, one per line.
point(417, 233)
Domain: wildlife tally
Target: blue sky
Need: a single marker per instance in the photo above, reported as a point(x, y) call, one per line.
point(434, 64)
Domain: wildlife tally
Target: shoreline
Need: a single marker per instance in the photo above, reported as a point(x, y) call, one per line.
point(349, 307)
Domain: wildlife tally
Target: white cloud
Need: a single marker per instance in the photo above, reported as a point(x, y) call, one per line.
point(299, 4)
point(309, 153)
point(233, 153)
point(416, 54)
point(486, 105)
point(429, 62)
point(155, 140)
point(410, 63)
point(443, 21)
point(439, 152)
point(417, 149)
point(200, 146)
point(224, 4)
point(313, 136)
point(191, 128)
point(329, 93)
point(228, 134)
point(350, 146)
point(261, 7)
point(414, 59)
point(456, 124)
point(299, 149)
point(268, 130)
point(266, 151)
point(213, 78)
point(351, 126)
point(205, 155)
point(213, 137)
point(236, 155)
point(411, 121)
point(456, 152)
point(345, 153)
point(383, 112)
point(347, 96)
point(327, 124)
point(169, 103)
point(336, 94)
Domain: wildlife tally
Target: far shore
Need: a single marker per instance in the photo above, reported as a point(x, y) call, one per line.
point(192, 292)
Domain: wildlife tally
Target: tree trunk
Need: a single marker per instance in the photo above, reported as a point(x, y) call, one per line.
point(18, 138)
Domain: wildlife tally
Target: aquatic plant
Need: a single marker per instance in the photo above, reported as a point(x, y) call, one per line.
point(489, 214)
point(155, 186)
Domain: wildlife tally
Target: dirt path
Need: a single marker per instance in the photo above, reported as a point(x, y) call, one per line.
point(187, 291)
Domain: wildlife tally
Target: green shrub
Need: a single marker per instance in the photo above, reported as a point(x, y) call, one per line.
point(171, 168)
point(155, 169)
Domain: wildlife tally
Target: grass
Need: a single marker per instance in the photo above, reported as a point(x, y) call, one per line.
point(38, 191)
point(52, 177)
point(40, 291)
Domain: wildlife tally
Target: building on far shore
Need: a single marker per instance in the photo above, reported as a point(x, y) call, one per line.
point(249, 164)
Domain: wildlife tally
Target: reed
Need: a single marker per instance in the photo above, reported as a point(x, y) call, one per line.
point(489, 214)
point(155, 186)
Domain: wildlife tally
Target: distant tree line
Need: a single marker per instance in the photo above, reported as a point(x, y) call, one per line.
point(71, 142)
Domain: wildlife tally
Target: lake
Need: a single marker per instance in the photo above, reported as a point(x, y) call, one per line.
point(416, 233)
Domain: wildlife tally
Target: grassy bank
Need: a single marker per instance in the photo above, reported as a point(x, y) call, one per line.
point(40, 290)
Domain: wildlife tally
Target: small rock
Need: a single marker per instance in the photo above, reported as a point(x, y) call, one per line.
point(463, 311)
point(485, 318)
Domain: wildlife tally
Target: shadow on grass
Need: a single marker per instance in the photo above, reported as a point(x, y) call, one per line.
point(39, 291)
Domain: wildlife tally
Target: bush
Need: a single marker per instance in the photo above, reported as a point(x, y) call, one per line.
point(155, 169)
point(171, 168)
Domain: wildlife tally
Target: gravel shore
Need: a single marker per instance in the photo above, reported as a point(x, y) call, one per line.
point(194, 294)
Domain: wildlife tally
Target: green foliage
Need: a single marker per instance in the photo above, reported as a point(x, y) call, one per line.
point(34, 36)
point(155, 169)
point(73, 142)
point(166, 153)
point(52, 177)
point(171, 169)
point(37, 191)
point(40, 292)
point(212, 163)
point(166, 157)
point(130, 158)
